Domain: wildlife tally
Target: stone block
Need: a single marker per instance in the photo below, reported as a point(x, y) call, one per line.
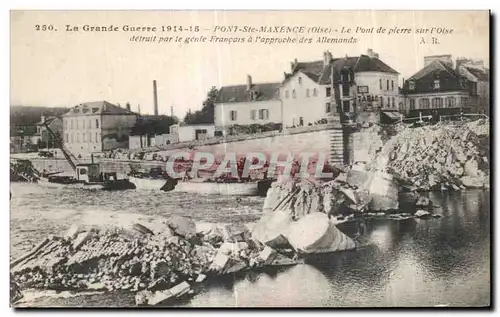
point(180, 289)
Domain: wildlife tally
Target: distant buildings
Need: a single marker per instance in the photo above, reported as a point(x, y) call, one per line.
point(151, 130)
point(441, 86)
point(184, 132)
point(247, 104)
point(23, 138)
point(97, 126)
point(479, 80)
point(47, 139)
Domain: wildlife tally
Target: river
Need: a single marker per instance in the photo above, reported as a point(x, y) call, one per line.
point(437, 262)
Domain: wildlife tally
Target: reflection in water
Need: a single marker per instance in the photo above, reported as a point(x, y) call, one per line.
point(443, 261)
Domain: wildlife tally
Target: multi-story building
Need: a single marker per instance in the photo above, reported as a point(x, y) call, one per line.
point(334, 86)
point(479, 79)
point(47, 139)
point(97, 126)
point(437, 86)
point(246, 105)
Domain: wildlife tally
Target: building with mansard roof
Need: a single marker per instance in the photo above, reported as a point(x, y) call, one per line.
point(317, 90)
point(441, 87)
point(94, 127)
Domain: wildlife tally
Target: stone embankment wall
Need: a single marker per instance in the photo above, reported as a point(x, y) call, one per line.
point(328, 142)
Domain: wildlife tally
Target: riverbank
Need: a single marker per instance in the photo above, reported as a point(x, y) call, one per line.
point(446, 260)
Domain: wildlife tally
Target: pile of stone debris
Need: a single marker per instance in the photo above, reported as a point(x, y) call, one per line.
point(160, 266)
point(440, 156)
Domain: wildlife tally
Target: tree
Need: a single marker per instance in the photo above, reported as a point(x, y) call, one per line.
point(153, 125)
point(206, 114)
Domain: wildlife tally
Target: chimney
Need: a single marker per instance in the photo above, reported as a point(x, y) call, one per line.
point(443, 58)
point(155, 98)
point(371, 53)
point(42, 118)
point(249, 82)
point(128, 106)
point(327, 57)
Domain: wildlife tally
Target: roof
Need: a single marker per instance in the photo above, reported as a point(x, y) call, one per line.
point(449, 79)
point(481, 75)
point(48, 120)
point(321, 74)
point(97, 107)
point(239, 93)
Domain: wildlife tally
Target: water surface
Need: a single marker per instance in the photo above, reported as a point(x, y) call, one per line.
point(443, 261)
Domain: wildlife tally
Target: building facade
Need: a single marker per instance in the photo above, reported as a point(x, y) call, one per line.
point(97, 126)
point(438, 87)
point(246, 105)
point(185, 133)
point(332, 87)
point(479, 78)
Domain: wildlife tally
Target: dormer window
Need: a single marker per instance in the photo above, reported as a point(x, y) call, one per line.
point(300, 80)
point(436, 83)
point(411, 85)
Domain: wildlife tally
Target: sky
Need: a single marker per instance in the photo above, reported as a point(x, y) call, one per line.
point(61, 68)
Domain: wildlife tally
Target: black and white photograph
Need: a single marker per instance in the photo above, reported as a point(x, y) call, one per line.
point(234, 159)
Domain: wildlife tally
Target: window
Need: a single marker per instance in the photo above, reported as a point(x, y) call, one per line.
point(66, 138)
point(96, 138)
point(71, 124)
point(233, 115)
point(84, 136)
point(315, 92)
point(97, 123)
point(424, 103)
point(464, 101)
point(387, 84)
point(253, 114)
point(294, 94)
point(436, 84)
point(77, 124)
point(473, 88)
point(411, 85)
point(328, 107)
point(83, 171)
point(392, 85)
point(437, 102)
point(71, 137)
point(77, 137)
point(307, 92)
point(328, 91)
point(380, 84)
point(393, 103)
point(84, 123)
point(381, 102)
point(300, 80)
point(412, 104)
point(90, 137)
point(286, 93)
point(450, 102)
point(263, 114)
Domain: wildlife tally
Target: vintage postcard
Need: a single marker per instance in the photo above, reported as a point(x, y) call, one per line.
point(250, 159)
